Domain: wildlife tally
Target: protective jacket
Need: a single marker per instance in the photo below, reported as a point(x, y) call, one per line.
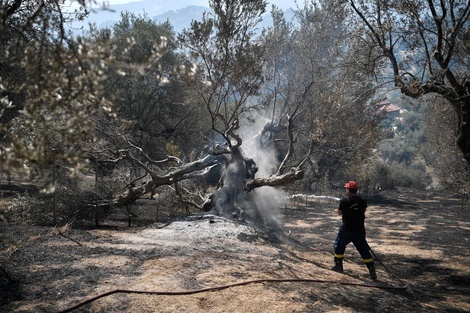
point(353, 209)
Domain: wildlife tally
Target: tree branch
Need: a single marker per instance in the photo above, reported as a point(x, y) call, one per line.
point(294, 174)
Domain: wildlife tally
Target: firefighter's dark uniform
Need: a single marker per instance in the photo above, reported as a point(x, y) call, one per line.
point(353, 210)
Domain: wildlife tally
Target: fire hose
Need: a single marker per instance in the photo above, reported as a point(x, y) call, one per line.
point(243, 283)
point(404, 285)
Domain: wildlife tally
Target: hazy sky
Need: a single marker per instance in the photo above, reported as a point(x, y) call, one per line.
point(284, 4)
point(194, 2)
point(121, 1)
point(102, 18)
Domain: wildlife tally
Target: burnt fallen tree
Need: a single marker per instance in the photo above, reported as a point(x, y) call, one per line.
point(226, 81)
point(234, 196)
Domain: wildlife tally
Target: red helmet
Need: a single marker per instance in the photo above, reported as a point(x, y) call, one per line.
point(351, 185)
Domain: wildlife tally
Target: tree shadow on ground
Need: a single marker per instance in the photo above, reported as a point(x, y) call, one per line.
point(383, 200)
point(416, 237)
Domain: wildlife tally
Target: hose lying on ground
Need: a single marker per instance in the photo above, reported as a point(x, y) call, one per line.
point(244, 283)
point(255, 281)
point(404, 285)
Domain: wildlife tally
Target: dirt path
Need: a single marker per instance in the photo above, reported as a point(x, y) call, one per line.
point(422, 238)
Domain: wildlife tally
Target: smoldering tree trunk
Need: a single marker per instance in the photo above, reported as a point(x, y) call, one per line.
point(238, 194)
point(463, 139)
point(230, 199)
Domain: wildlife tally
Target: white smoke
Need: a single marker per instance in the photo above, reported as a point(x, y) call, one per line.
point(265, 202)
point(268, 202)
point(264, 158)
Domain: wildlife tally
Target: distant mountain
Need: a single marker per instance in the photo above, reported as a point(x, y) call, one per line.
point(182, 18)
point(179, 18)
point(156, 10)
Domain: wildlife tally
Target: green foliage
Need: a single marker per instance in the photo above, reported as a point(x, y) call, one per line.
point(148, 88)
point(380, 175)
point(443, 158)
point(29, 209)
point(228, 60)
point(408, 176)
point(308, 69)
point(424, 44)
point(50, 88)
point(421, 151)
point(129, 89)
point(400, 151)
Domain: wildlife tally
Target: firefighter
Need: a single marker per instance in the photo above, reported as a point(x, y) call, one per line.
point(352, 209)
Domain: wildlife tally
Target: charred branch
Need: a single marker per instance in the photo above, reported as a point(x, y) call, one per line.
point(230, 133)
point(135, 192)
point(293, 175)
point(267, 132)
point(186, 202)
point(290, 150)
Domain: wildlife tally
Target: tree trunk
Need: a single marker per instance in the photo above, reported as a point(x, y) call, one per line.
point(463, 138)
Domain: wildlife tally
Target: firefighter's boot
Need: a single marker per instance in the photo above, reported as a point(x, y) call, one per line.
point(338, 265)
point(371, 268)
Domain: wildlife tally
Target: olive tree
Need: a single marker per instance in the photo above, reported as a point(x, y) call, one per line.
point(440, 151)
point(310, 74)
point(50, 85)
point(422, 46)
point(148, 88)
point(222, 73)
point(229, 68)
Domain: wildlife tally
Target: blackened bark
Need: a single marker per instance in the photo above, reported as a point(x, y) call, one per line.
point(463, 139)
point(135, 192)
point(292, 175)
